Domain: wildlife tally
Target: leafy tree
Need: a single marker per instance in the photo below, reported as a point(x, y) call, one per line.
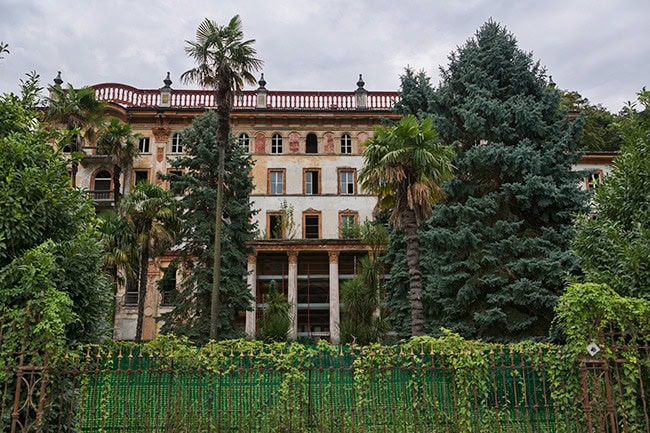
point(415, 94)
point(613, 243)
point(118, 140)
point(154, 215)
point(275, 322)
point(49, 250)
point(600, 132)
point(81, 114)
point(224, 62)
point(404, 166)
point(498, 250)
point(200, 166)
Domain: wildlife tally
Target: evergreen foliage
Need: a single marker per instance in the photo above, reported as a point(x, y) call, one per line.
point(198, 184)
point(497, 252)
point(275, 322)
point(225, 61)
point(415, 94)
point(613, 243)
point(50, 257)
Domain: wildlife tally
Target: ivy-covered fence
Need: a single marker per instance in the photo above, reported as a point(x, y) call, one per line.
point(599, 381)
point(444, 384)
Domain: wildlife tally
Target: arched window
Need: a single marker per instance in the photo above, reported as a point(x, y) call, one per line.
point(311, 145)
point(177, 143)
point(346, 143)
point(102, 185)
point(245, 141)
point(276, 143)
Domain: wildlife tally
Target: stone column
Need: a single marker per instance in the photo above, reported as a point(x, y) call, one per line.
point(251, 279)
point(335, 308)
point(292, 294)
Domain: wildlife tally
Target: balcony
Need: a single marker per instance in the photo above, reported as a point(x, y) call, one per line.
point(101, 197)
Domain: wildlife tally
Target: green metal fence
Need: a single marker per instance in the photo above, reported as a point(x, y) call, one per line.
point(535, 388)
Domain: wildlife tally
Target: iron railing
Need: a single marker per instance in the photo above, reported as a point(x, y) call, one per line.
point(505, 389)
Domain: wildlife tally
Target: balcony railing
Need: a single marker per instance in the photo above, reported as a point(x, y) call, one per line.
point(128, 96)
point(101, 195)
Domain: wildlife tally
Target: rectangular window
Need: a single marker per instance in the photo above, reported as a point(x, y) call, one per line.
point(141, 176)
point(348, 225)
point(311, 226)
point(276, 144)
point(177, 143)
point(594, 179)
point(131, 293)
point(144, 145)
point(167, 285)
point(274, 226)
point(276, 182)
point(312, 182)
point(347, 181)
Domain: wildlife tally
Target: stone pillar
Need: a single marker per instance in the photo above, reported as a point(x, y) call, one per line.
point(335, 308)
point(292, 294)
point(251, 279)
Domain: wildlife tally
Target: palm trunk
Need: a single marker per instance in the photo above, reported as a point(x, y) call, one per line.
point(410, 226)
point(117, 171)
point(142, 286)
point(222, 136)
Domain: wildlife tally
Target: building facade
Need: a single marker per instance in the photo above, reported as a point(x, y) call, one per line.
point(307, 149)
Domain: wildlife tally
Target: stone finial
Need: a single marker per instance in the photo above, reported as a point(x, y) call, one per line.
point(361, 94)
point(166, 92)
point(57, 80)
point(167, 81)
point(261, 93)
point(262, 82)
point(360, 83)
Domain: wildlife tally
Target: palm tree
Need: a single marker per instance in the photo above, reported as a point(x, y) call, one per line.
point(119, 141)
point(153, 213)
point(80, 113)
point(404, 164)
point(224, 62)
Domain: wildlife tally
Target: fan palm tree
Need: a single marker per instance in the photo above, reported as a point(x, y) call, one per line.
point(119, 141)
point(404, 165)
point(224, 61)
point(153, 213)
point(80, 113)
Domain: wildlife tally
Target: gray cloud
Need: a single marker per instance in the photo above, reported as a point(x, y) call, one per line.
point(596, 47)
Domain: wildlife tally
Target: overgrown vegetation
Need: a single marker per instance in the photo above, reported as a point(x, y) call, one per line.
point(196, 179)
point(276, 317)
point(613, 241)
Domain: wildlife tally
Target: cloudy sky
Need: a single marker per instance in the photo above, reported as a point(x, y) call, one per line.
point(599, 48)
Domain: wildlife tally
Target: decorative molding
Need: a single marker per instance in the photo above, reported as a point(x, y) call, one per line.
point(161, 133)
point(334, 256)
point(293, 257)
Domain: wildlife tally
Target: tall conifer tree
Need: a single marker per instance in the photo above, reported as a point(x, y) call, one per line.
point(198, 184)
point(498, 250)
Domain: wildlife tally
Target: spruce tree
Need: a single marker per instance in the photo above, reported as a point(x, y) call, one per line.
point(197, 189)
point(497, 252)
point(415, 94)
